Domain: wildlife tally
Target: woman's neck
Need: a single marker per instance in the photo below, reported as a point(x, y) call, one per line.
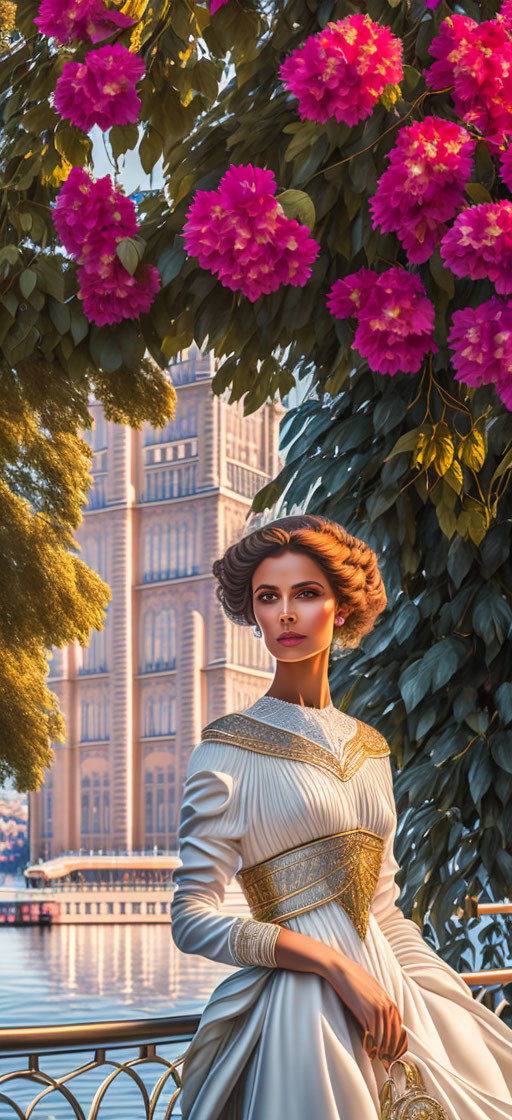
point(303, 682)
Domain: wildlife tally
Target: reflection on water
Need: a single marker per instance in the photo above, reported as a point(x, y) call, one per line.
point(83, 973)
point(74, 973)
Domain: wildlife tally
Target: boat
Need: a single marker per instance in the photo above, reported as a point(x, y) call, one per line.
point(97, 887)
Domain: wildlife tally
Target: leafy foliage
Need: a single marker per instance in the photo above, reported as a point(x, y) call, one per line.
point(435, 672)
point(420, 465)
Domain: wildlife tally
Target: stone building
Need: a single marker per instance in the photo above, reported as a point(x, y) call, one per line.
point(165, 503)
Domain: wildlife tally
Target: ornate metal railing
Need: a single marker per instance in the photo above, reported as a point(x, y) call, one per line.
point(144, 1039)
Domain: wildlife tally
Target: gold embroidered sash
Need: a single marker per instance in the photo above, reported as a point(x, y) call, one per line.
point(241, 730)
point(344, 867)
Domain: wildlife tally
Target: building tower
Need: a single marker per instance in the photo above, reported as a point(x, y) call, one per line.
point(164, 504)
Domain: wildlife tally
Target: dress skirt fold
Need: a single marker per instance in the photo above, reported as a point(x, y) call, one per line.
point(275, 1044)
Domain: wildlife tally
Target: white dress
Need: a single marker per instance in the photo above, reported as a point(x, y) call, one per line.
point(275, 1044)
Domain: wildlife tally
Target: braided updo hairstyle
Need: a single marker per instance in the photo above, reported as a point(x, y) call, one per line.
point(349, 564)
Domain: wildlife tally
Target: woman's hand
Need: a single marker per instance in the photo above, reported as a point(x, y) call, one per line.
point(378, 1016)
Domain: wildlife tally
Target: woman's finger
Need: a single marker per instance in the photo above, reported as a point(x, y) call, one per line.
point(385, 1046)
point(396, 1031)
point(379, 1030)
point(404, 1044)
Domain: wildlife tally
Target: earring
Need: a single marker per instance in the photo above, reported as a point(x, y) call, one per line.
point(256, 631)
point(339, 620)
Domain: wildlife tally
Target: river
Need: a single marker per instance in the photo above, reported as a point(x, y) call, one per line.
point(78, 973)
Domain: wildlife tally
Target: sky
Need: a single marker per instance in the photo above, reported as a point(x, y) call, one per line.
point(132, 177)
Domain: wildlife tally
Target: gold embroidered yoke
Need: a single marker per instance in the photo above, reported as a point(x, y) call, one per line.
point(343, 866)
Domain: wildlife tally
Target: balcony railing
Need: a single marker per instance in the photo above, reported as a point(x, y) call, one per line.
point(140, 1043)
point(130, 1048)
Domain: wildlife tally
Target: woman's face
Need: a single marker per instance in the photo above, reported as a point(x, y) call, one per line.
point(290, 592)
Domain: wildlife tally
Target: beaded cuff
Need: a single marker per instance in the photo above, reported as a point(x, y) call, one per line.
point(252, 942)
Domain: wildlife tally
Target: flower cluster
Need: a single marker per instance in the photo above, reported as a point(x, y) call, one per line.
point(91, 217)
point(476, 59)
point(479, 244)
point(423, 186)
point(215, 5)
point(68, 20)
point(395, 318)
point(342, 71)
point(240, 233)
point(100, 90)
point(481, 339)
point(114, 294)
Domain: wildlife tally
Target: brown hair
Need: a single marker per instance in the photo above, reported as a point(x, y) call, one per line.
point(349, 564)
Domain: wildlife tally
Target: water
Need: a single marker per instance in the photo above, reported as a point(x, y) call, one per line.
point(78, 973)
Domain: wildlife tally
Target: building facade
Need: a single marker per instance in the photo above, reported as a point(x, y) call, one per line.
point(165, 503)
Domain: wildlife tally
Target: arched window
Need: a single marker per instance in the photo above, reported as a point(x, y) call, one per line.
point(95, 802)
point(159, 640)
point(47, 806)
point(84, 721)
point(99, 433)
point(149, 717)
point(159, 800)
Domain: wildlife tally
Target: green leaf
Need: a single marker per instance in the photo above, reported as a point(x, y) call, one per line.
point(484, 162)
point(150, 148)
point(411, 78)
point(79, 325)
point(123, 138)
point(73, 144)
point(501, 748)
point(302, 138)
point(298, 205)
point(111, 355)
point(478, 193)
point(503, 697)
point(10, 254)
point(27, 282)
point(407, 442)
point(204, 78)
point(39, 118)
point(442, 276)
point(170, 263)
point(129, 254)
point(59, 315)
point(432, 671)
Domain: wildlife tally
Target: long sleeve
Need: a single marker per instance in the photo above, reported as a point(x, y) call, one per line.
point(404, 936)
point(209, 839)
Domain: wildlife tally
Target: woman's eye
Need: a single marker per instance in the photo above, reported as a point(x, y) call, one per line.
point(306, 591)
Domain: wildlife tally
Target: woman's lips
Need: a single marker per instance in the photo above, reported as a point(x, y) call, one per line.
point(289, 641)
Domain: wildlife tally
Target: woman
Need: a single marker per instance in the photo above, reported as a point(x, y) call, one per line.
point(296, 798)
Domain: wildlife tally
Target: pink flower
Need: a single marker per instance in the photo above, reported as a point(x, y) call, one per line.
point(342, 71)
point(215, 5)
point(424, 184)
point(240, 233)
point(395, 318)
point(347, 297)
point(112, 294)
point(432, 4)
point(479, 244)
point(476, 59)
point(506, 167)
point(481, 338)
point(100, 90)
point(92, 216)
point(68, 20)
